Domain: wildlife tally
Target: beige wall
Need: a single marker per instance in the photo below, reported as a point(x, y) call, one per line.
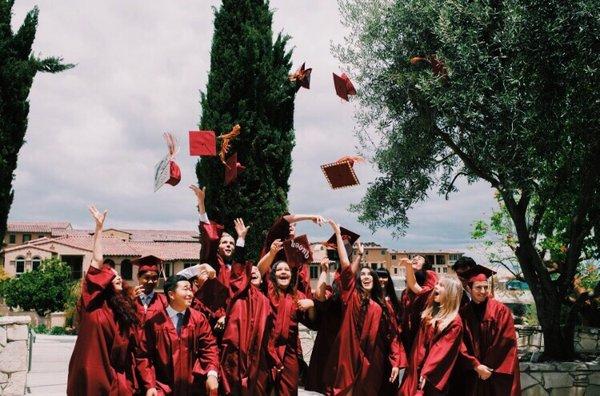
point(19, 237)
point(30, 252)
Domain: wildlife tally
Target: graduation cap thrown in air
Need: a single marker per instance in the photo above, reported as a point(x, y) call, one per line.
point(232, 168)
point(349, 238)
point(203, 143)
point(302, 77)
point(341, 172)
point(343, 86)
point(297, 251)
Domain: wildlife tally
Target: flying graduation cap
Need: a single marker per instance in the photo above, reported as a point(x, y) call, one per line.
point(297, 251)
point(343, 86)
point(302, 77)
point(203, 143)
point(232, 168)
point(166, 170)
point(341, 172)
point(349, 238)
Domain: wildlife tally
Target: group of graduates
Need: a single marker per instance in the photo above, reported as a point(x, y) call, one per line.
point(230, 327)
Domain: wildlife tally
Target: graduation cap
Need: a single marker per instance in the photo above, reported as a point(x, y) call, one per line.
point(343, 86)
point(297, 251)
point(166, 171)
point(302, 77)
point(349, 238)
point(148, 263)
point(437, 66)
point(232, 168)
point(227, 138)
point(341, 172)
point(203, 143)
point(479, 273)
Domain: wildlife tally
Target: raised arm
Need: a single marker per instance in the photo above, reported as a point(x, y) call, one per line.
point(265, 262)
point(339, 241)
point(358, 256)
point(241, 230)
point(97, 257)
point(200, 197)
point(320, 293)
point(411, 280)
point(294, 218)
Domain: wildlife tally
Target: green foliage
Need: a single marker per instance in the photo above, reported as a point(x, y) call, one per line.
point(18, 67)
point(45, 290)
point(513, 103)
point(531, 317)
point(57, 330)
point(248, 85)
point(41, 329)
point(71, 305)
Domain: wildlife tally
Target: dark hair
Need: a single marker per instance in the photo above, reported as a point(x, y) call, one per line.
point(110, 262)
point(292, 287)
point(464, 262)
point(122, 306)
point(375, 295)
point(171, 284)
point(389, 290)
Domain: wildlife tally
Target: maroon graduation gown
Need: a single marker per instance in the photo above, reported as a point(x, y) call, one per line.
point(246, 335)
point(102, 362)
point(433, 356)
point(328, 323)
point(491, 340)
point(157, 304)
point(363, 344)
point(284, 340)
point(176, 365)
point(412, 306)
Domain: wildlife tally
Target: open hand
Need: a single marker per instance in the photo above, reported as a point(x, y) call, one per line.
point(325, 264)
point(98, 217)
point(318, 220)
point(276, 246)
point(334, 226)
point(240, 229)
point(200, 192)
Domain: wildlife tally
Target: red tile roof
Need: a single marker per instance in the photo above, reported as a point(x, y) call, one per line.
point(37, 226)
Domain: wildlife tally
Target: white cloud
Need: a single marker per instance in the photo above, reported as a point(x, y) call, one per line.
point(95, 132)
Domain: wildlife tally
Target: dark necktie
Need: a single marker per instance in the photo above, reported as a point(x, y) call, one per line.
point(179, 322)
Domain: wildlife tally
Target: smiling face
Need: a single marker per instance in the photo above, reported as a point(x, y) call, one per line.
point(117, 281)
point(366, 279)
point(255, 278)
point(417, 263)
point(226, 246)
point(182, 295)
point(383, 280)
point(283, 275)
point(148, 280)
point(480, 290)
point(439, 293)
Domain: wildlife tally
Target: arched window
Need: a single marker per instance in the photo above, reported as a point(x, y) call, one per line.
point(20, 265)
point(126, 270)
point(35, 263)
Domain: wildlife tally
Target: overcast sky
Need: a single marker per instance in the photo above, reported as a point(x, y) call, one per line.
point(95, 132)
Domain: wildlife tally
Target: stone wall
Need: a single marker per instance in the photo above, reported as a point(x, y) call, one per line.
point(560, 379)
point(587, 339)
point(14, 336)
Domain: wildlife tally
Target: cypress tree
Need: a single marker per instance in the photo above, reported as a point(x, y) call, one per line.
point(18, 67)
point(248, 85)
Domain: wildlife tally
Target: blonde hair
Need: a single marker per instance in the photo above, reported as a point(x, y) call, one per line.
point(444, 312)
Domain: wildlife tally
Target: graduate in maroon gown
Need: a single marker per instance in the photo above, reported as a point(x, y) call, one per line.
point(219, 250)
point(102, 361)
point(490, 357)
point(147, 301)
point(414, 298)
point(438, 341)
point(329, 315)
point(177, 352)
point(367, 339)
point(393, 307)
point(290, 307)
point(245, 351)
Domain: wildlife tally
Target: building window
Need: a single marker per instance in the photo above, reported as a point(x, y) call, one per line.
point(393, 257)
point(167, 269)
point(126, 270)
point(187, 265)
point(35, 263)
point(440, 259)
point(26, 238)
point(20, 265)
point(383, 252)
point(374, 266)
point(314, 272)
point(12, 239)
point(454, 257)
point(395, 271)
point(40, 236)
point(366, 252)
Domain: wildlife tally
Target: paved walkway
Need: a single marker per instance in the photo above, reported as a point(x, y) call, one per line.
point(50, 362)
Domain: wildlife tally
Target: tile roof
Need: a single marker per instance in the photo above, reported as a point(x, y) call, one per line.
point(36, 226)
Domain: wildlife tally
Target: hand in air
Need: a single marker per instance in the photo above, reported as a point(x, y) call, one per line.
point(98, 216)
point(276, 246)
point(240, 228)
